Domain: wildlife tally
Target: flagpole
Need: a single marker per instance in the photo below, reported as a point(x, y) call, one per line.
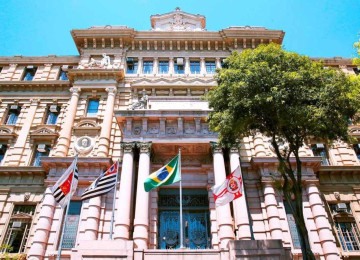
point(67, 210)
point(181, 209)
point(113, 207)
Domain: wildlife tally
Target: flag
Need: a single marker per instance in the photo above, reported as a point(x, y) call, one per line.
point(166, 175)
point(229, 190)
point(61, 189)
point(103, 184)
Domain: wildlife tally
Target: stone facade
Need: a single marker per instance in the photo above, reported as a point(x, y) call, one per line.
point(136, 96)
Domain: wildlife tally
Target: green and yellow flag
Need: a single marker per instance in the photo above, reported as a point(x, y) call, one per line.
point(166, 175)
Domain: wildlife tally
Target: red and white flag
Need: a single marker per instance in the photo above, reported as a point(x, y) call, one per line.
point(229, 190)
point(69, 180)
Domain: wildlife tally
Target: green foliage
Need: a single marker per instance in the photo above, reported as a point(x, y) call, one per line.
point(9, 256)
point(281, 93)
point(356, 60)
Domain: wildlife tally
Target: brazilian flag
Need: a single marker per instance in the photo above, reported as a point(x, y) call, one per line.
point(166, 175)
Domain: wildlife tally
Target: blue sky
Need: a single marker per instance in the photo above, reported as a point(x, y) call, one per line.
point(317, 28)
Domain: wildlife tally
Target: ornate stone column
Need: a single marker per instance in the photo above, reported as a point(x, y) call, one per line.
point(43, 226)
point(65, 133)
point(322, 224)
point(18, 149)
point(272, 210)
point(140, 66)
point(224, 220)
point(122, 223)
point(202, 66)
point(240, 208)
point(104, 140)
point(93, 218)
point(141, 222)
point(156, 66)
point(218, 63)
point(187, 66)
point(171, 65)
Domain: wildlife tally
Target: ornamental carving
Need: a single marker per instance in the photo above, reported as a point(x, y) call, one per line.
point(103, 63)
point(127, 147)
point(153, 130)
point(137, 130)
point(215, 147)
point(84, 145)
point(144, 147)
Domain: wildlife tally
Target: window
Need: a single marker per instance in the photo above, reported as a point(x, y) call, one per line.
point(52, 115)
point(63, 72)
point(132, 65)
point(93, 107)
point(163, 67)
point(71, 224)
point(357, 71)
point(196, 224)
point(357, 150)
point(29, 73)
point(3, 148)
point(320, 150)
point(294, 232)
point(210, 67)
point(179, 66)
point(13, 115)
point(18, 229)
point(42, 150)
point(194, 67)
point(148, 67)
point(349, 235)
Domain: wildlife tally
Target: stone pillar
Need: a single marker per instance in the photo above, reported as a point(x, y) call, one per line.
point(224, 220)
point(93, 218)
point(322, 224)
point(218, 63)
point(18, 150)
point(141, 221)
point(104, 140)
point(140, 66)
point(122, 223)
point(180, 125)
point(259, 146)
point(65, 133)
point(43, 226)
point(240, 208)
point(171, 65)
point(187, 66)
point(156, 66)
point(202, 66)
point(272, 211)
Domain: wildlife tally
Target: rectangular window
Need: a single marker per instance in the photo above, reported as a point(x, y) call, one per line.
point(195, 67)
point(93, 107)
point(294, 232)
point(3, 148)
point(179, 67)
point(357, 150)
point(148, 67)
point(210, 67)
point(131, 65)
point(18, 229)
point(52, 115)
point(13, 115)
point(71, 225)
point(42, 151)
point(63, 72)
point(349, 236)
point(320, 150)
point(29, 73)
point(163, 67)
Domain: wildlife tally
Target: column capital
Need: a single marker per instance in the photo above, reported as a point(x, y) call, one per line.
point(127, 147)
point(235, 148)
point(34, 101)
point(216, 147)
point(145, 147)
point(111, 90)
point(75, 90)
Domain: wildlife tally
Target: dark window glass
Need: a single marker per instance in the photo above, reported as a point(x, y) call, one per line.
point(93, 107)
point(294, 232)
point(13, 115)
point(348, 233)
point(148, 67)
point(163, 67)
point(195, 67)
point(71, 224)
point(210, 67)
point(41, 151)
point(29, 73)
point(320, 150)
point(3, 148)
point(132, 66)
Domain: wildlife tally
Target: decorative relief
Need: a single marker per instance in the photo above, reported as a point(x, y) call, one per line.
point(141, 104)
point(171, 130)
point(84, 145)
point(144, 147)
point(153, 129)
point(104, 63)
point(137, 130)
point(128, 147)
point(215, 147)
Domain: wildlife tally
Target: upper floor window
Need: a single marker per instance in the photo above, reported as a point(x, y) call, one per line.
point(93, 107)
point(132, 65)
point(163, 67)
point(3, 148)
point(42, 150)
point(71, 224)
point(63, 75)
point(210, 67)
point(320, 150)
point(179, 66)
point(17, 232)
point(147, 67)
point(195, 67)
point(52, 115)
point(357, 150)
point(13, 115)
point(294, 232)
point(29, 73)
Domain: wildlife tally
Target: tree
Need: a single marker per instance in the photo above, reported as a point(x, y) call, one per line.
point(288, 98)
point(356, 60)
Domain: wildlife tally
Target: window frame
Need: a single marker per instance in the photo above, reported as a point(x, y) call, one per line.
point(210, 69)
point(134, 63)
point(325, 160)
point(92, 112)
point(148, 67)
point(12, 115)
point(195, 67)
point(29, 73)
point(37, 155)
point(161, 67)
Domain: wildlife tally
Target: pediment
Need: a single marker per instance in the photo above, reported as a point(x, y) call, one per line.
point(22, 216)
point(86, 127)
point(7, 133)
point(43, 131)
point(206, 82)
point(178, 20)
point(44, 134)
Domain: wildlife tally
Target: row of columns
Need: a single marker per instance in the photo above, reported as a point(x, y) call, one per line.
point(66, 130)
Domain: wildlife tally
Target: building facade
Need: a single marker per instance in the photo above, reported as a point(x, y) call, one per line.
point(137, 97)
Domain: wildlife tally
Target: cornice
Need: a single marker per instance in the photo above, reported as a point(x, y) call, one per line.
point(23, 170)
point(86, 162)
point(95, 74)
point(40, 60)
point(190, 81)
point(122, 114)
point(35, 83)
